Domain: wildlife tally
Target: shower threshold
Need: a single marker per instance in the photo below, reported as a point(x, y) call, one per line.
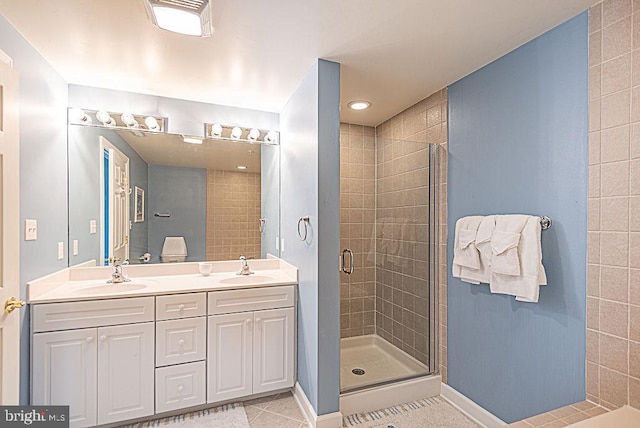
point(371, 360)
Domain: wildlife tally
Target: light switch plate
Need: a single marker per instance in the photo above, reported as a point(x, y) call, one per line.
point(277, 243)
point(75, 247)
point(60, 250)
point(93, 227)
point(282, 245)
point(30, 230)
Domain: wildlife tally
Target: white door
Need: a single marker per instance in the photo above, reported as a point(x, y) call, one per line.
point(9, 236)
point(273, 350)
point(229, 356)
point(125, 372)
point(65, 371)
point(118, 199)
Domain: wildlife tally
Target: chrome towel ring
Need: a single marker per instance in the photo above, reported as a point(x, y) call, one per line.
point(302, 234)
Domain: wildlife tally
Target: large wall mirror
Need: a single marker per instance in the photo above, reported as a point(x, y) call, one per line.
point(152, 197)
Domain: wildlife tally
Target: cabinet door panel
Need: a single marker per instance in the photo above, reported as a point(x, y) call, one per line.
point(64, 373)
point(273, 350)
point(229, 356)
point(125, 372)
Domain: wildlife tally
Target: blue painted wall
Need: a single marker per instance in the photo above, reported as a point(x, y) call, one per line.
point(85, 156)
point(518, 144)
point(181, 192)
point(43, 170)
point(310, 159)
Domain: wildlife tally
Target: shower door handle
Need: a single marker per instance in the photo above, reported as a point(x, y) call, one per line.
point(345, 269)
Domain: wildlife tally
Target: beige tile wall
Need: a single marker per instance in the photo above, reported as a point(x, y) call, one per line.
point(233, 211)
point(613, 279)
point(357, 217)
point(402, 225)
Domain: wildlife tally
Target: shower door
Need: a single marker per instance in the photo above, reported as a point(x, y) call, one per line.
point(389, 223)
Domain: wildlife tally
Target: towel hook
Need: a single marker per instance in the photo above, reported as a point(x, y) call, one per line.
point(262, 221)
point(305, 220)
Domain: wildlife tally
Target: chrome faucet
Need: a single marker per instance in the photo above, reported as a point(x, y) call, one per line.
point(245, 270)
point(118, 276)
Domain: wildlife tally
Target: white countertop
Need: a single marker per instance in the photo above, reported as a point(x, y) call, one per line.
point(90, 283)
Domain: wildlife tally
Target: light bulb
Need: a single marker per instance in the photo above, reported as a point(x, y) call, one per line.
point(105, 118)
point(129, 120)
point(254, 134)
point(216, 130)
point(236, 133)
point(152, 123)
point(78, 115)
point(271, 137)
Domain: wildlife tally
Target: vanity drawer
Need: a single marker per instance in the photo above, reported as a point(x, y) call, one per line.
point(180, 386)
point(181, 341)
point(92, 313)
point(181, 306)
point(250, 299)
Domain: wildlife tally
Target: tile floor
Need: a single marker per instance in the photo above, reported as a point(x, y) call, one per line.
point(282, 411)
point(279, 411)
point(562, 417)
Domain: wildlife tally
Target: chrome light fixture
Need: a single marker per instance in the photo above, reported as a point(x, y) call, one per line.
point(236, 133)
point(254, 134)
point(271, 137)
point(129, 120)
point(190, 17)
point(216, 130)
point(77, 115)
point(152, 123)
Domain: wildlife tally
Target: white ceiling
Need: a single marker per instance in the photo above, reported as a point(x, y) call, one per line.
point(393, 53)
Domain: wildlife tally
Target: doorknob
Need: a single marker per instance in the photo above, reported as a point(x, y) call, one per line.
point(11, 304)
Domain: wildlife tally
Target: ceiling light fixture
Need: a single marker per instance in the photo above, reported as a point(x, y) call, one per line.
point(190, 17)
point(241, 167)
point(359, 105)
point(192, 140)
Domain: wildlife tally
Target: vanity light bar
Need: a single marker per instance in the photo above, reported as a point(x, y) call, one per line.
point(236, 133)
point(79, 116)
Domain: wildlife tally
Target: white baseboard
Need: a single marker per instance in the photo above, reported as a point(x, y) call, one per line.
point(329, 420)
point(470, 408)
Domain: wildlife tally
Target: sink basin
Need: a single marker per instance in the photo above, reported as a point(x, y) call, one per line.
point(247, 279)
point(103, 288)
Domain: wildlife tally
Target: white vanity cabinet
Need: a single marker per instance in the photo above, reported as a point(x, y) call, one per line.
point(127, 358)
point(251, 342)
point(105, 371)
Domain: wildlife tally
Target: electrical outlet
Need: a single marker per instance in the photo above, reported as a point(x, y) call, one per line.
point(60, 250)
point(30, 230)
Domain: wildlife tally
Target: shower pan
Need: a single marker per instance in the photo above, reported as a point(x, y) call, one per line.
point(388, 233)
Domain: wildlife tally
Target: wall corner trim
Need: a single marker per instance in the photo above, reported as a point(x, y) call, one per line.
point(330, 420)
point(470, 408)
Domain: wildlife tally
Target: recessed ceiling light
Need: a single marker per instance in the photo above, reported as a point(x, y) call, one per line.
point(359, 105)
point(241, 167)
point(190, 17)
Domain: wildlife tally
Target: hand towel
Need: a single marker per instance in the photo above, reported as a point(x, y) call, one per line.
point(483, 245)
point(504, 244)
point(465, 255)
point(524, 286)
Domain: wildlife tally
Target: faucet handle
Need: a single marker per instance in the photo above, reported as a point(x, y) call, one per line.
point(242, 257)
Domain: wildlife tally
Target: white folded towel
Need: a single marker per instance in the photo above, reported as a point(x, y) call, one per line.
point(504, 244)
point(528, 251)
point(483, 244)
point(465, 255)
